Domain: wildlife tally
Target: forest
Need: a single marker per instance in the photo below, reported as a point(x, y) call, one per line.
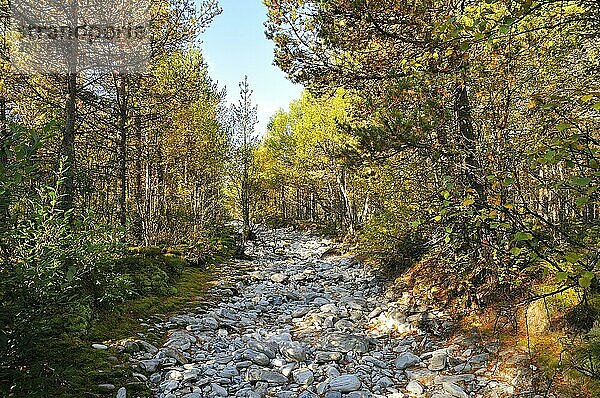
point(456, 142)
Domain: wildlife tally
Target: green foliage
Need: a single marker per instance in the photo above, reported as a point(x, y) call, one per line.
point(60, 268)
point(304, 172)
point(392, 249)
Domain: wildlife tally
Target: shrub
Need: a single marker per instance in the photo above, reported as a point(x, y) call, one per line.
point(392, 245)
point(60, 268)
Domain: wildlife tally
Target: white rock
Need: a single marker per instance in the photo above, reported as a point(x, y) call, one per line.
point(279, 278)
point(454, 390)
point(437, 362)
point(414, 387)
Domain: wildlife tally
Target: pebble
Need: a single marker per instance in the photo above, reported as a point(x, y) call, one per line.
point(217, 389)
point(438, 362)
point(106, 387)
point(122, 393)
point(303, 376)
point(454, 390)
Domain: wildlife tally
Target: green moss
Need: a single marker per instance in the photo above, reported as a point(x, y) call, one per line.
point(70, 368)
point(122, 322)
point(150, 273)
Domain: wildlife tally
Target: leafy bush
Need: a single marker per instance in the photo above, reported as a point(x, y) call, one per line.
point(394, 246)
point(60, 269)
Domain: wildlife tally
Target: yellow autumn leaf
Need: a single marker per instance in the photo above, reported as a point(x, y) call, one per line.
point(468, 202)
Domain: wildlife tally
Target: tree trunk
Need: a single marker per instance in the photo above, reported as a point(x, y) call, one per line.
point(121, 85)
point(246, 203)
point(5, 198)
point(139, 199)
point(468, 143)
point(67, 147)
point(348, 210)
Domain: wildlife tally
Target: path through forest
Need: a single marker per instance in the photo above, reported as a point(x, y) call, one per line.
point(305, 324)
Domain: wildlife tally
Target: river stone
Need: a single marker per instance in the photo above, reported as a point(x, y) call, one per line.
point(169, 385)
point(344, 325)
point(477, 359)
point(359, 394)
point(279, 278)
point(437, 362)
point(149, 365)
point(99, 347)
point(325, 307)
point(385, 382)
point(263, 348)
point(459, 378)
point(155, 377)
point(375, 313)
point(345, 383)
point(414, 387)
point(175, 354)
point(257, 357)
point(287, 369)
point(303, 376)
point(217, 389)
point(122, 393)
point(327, 356)
point(191, 374)
point(332, 372)
point(294, 352)
point(454, 390)
point(406, 360)
point(343, 342)
point(229, 372)
point(300, 312)
point(243, 364)
point(174, 375)
point(147, 347)
point(329, 308)
point(266, 375)
point(322, 387)
point(307, 394)
point(206, 323)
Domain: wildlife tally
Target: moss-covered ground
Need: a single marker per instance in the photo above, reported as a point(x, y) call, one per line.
point(69, 367)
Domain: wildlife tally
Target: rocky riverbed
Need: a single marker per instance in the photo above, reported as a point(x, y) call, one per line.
point(304, 324)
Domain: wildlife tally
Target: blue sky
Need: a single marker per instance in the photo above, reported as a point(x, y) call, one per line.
point(235, 45)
